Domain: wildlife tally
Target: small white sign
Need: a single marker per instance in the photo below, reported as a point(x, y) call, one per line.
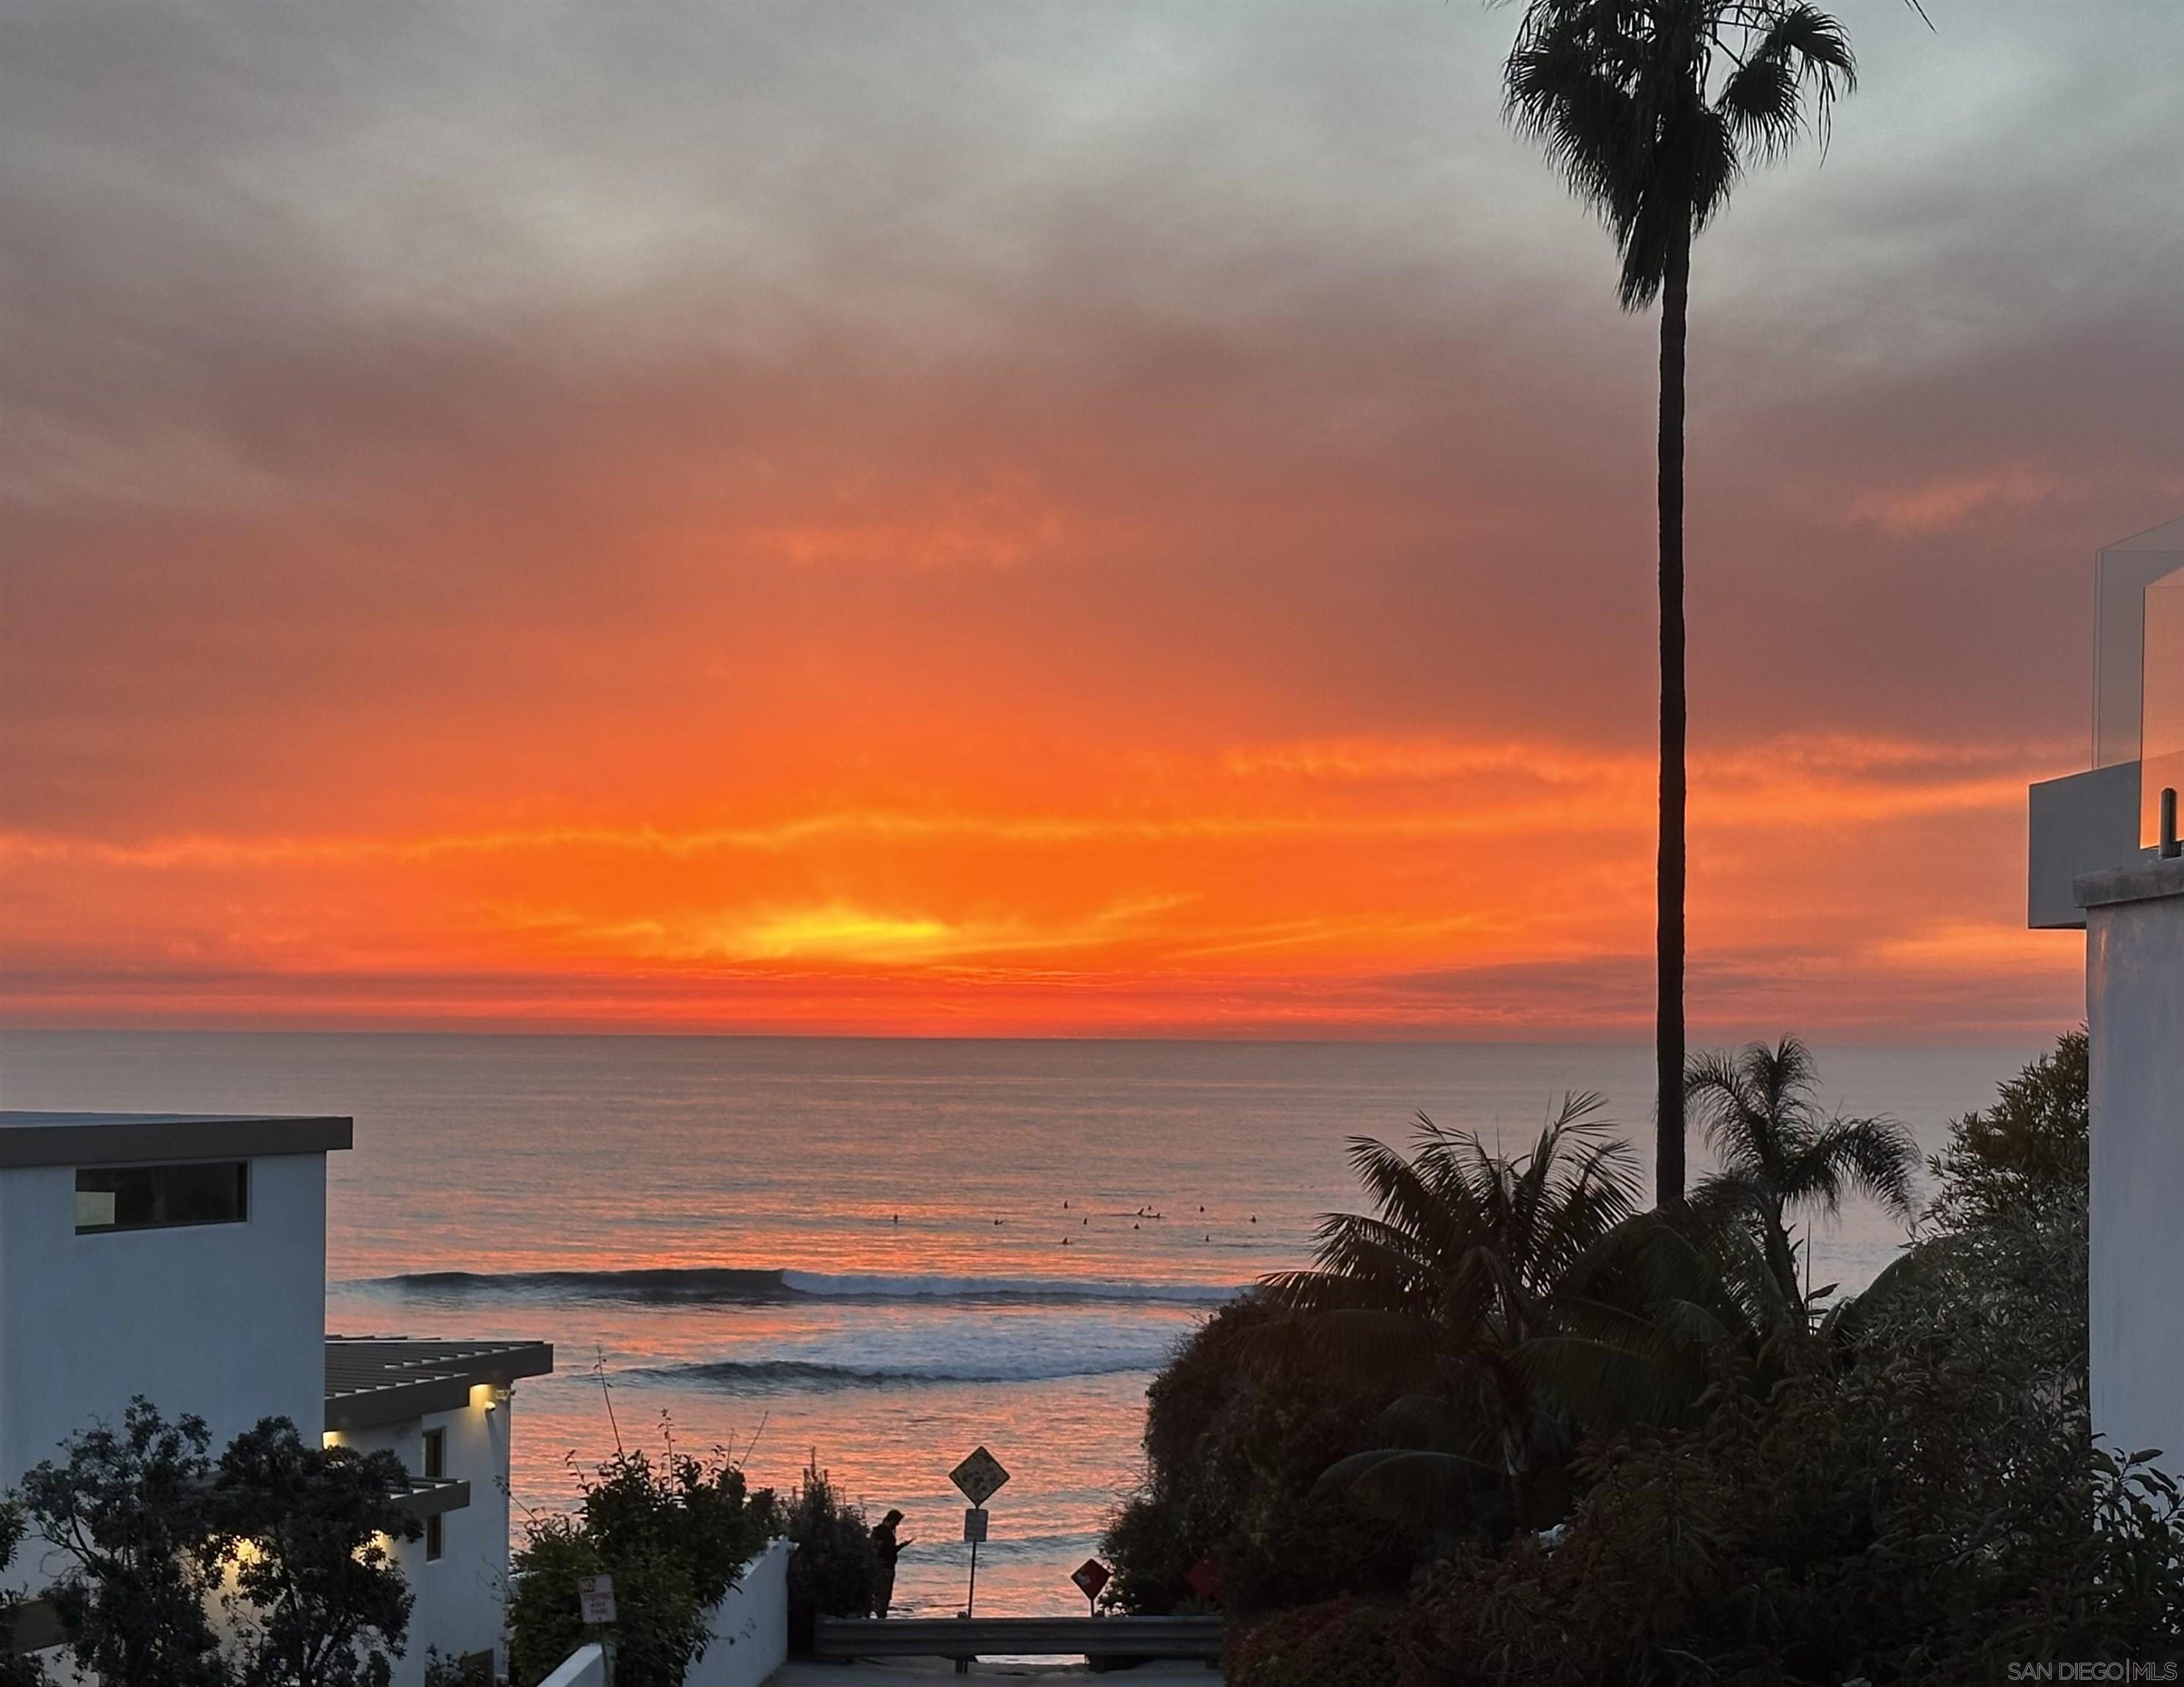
point(595, 1600)
point(974, 1524)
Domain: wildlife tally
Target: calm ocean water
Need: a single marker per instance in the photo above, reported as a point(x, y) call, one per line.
point(885, 1252)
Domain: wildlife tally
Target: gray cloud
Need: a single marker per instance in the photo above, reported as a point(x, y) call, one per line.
point(364, 361)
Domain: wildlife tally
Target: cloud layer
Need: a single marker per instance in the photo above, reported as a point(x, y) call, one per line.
point(1014, 516)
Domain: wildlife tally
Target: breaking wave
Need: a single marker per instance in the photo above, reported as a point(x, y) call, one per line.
point(769, 1376)
point(720, 1285)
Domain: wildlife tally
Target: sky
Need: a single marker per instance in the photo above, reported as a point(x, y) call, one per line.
point(1029, 519)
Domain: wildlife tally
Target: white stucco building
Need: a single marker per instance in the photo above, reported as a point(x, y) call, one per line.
point(182, 1257)
point(2103, 856)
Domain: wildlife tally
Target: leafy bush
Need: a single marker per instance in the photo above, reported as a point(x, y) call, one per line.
point(1913, 1501)
point(16, 1669)
point(674, 1536)
point(1237, 1436)
point(1905, 1490)
point(1341, 1643)
point(147, 1524)
point(831, 1572)
point(320, 1598)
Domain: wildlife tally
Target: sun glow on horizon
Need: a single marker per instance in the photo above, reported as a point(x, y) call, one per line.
point(1414, 885)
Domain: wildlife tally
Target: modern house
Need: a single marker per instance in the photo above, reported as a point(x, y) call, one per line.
point(2104, 857)
point(182, 1257)
point(446, 1409)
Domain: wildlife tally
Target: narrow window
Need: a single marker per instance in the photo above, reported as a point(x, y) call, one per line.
point(156, 1197)
point(436, 1469)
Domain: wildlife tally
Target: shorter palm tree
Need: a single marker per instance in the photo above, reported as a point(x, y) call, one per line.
point(1780, 1154)
point(1466, 1264)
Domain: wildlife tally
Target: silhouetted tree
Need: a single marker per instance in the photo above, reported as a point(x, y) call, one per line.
point(1651, 109)
point(131, 1511)
point(1471, 1258)
point(1780, 1152)
point(307, 1528)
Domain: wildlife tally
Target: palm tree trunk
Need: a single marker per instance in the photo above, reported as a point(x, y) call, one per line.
point(1669, 868)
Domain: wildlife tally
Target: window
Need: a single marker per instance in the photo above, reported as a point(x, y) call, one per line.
point(436, 1470)
point(153, 1197)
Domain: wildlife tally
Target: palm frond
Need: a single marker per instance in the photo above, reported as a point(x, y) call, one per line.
point(1877, 1156)
point(1616, 92)
point(1799, 50)
point(1426, 1488)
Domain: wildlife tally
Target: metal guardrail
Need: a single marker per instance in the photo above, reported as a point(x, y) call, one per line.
point(972, 1637)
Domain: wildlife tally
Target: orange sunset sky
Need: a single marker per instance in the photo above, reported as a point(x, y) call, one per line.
point(936, 518)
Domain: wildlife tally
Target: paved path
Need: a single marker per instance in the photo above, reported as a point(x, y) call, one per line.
point(932, 1671)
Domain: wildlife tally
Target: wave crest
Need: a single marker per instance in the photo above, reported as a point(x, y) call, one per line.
point(731, 1376)
point(727, 1285)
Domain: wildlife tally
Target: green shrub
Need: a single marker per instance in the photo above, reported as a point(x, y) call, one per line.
point(1914, 1503)
point(143, 1523)
point(831, 1572)
point(674, 1536)
point(1340, 1643)
point(1237, 1436)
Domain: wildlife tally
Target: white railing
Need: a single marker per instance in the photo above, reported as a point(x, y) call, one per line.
point(586, 1667)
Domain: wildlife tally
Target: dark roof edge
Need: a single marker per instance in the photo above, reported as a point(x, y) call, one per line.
point(447, 1390)
point(2141, 883)
point(123, 1143)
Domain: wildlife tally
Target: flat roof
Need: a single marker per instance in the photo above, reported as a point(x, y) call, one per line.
point(375, 1380)
point(120, 1138)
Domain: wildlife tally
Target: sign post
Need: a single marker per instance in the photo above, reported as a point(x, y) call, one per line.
point(978, 1478)
point(974, 1531)
point(1090, 1576)
point(595, 1608)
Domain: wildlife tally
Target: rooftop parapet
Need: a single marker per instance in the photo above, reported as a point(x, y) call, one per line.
point(2109, 817)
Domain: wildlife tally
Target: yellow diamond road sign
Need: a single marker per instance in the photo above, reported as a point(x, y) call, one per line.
point(979, 1476)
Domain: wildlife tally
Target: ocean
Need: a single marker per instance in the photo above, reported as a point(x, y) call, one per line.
point(876, 1254)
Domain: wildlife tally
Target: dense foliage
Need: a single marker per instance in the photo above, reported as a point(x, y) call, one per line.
point(152, 1528)
point(1904, 1489)
point(16, 1669)
point(673, 1534)
point(831, 1572)
point(1238, 1430)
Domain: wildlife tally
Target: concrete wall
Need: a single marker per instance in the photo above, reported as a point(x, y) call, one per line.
point(586, 1667)
point(226, 1321)
point(2077, 824)
point(2135, 1006)
point(750, 1626)
point(461, 1596)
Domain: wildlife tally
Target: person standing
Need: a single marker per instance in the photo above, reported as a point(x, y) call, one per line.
point(885, 1549)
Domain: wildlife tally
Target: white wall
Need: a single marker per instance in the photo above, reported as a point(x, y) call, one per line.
point(2076, 824)
point(586, 1667)
point(226, 1321)
point(750, 1626)
point(461, 1595)
point(2135, 999)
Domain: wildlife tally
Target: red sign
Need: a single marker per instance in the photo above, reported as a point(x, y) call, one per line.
point(1090, 1576)
point(1205, 1578)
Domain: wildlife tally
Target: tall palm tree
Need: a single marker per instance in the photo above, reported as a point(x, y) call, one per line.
point(1652, 110)
point(1467, 1263)
point(1780, 1154)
